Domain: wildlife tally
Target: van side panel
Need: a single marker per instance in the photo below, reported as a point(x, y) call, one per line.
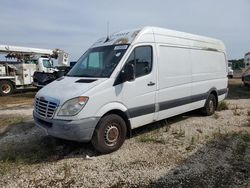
point(208, 71)
point(174, 81)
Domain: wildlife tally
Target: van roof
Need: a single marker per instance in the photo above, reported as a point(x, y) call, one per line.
point(134, 35)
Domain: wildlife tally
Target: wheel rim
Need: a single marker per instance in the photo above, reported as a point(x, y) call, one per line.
point(111, 135)
point(211, 106)
point(6, 88)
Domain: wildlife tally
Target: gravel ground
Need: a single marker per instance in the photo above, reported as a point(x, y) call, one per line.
point(188, 150)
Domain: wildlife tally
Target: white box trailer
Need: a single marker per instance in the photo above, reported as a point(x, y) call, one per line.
point(130, 79)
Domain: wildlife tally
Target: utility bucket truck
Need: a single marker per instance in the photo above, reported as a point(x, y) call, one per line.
point(18, 74)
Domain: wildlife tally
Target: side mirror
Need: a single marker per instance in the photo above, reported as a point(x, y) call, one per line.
point(128, 73)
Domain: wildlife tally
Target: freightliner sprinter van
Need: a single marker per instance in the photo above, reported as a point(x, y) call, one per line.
point(130, 79)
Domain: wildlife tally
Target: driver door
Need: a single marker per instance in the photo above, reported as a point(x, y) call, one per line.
point(139, 95)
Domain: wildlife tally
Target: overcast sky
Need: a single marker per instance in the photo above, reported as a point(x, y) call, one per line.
point(73, 25)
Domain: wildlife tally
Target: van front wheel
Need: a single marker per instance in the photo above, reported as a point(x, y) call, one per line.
point(210, 105)
point(109, 134)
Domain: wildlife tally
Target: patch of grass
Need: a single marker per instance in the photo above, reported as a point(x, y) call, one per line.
point(30, 154)
point(10, 121)
point(150, 138)
point(17, 99)
point(223, 105)
point(242, 144)
point(4, 168)
point(241, 148)
point(146, 138)
point(245, 137)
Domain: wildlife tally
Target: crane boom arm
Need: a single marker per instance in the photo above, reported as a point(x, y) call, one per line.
point(25, 50)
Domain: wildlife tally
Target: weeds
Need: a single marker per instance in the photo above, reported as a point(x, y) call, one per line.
point(217, 134)
point(248, 112)
point(114, 164)
point(248, 122)
point(178, 133)
point(150, 138)
point(146, 138)
point(236, 111)
point(33, 153)
point(245, 137)
point(216, 115)
point(191, 145)
point(67, 170)
point(192, 141)
point(223, 105)
point(243, 143)
point(4, 168)
point(27, 154)
point(241, 148)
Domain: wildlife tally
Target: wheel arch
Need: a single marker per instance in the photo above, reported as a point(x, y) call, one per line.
point(9, 80)
point(213, 91)
point(118, 109)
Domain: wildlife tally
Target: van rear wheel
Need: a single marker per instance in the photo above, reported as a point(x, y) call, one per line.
point(109, 134)
point(210, 105)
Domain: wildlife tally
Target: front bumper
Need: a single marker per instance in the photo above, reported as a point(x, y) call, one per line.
point(76, 130)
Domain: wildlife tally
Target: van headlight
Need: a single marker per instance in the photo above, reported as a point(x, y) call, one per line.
point(73, 106)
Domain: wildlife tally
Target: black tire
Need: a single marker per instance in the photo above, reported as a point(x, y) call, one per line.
point(210, 105)
point(110, 133)
point(6, 88)
point(245, 84)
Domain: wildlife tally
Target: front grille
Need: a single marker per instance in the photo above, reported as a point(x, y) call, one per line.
point(45, 108)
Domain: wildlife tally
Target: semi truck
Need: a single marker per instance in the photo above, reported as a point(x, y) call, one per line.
point(18, 74)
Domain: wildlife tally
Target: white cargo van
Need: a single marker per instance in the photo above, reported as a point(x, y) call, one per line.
point(130, 79)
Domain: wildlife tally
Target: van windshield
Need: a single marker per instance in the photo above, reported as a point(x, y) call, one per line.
point(98, 62)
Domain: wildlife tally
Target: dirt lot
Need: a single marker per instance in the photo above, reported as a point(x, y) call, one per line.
point(188, 150)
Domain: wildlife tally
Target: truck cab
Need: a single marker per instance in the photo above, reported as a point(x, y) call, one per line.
point(45, 65)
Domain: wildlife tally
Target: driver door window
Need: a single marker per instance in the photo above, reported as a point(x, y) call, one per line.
point(141, 58)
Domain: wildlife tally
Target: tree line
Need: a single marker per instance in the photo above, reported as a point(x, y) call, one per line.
point(237, 63)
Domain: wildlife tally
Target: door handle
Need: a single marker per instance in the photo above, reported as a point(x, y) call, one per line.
point(151, 84)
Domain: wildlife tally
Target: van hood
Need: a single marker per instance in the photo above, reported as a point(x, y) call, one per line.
point(66, 88)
